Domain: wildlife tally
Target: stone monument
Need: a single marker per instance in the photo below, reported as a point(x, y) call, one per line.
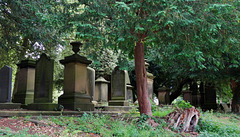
point(130, 93)
point(119, 88)
point(150, 80)
point(75, 96)
point(24, 82)
point(164, 96)
point(101, 90)
point(90, 82)
point(6, 89)
point(43, 90)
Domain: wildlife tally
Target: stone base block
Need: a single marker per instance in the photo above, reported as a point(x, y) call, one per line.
point(76, 101)
point(118, 103)
point(24, 98)
point(102, 104)
point(43, 106)
point(117, 108)
point(10, 105)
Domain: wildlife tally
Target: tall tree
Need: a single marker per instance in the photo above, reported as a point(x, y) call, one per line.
point(193, 34)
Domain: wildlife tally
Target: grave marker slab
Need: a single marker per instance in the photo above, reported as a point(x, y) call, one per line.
point(119, 88)
point(5, 84)
point(43, 90)
point(91, 82)
point(6, 89)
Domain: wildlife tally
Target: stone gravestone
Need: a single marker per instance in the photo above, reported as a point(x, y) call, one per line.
point(130, 93)
point(119, 82)
point(24, 83)
point(6, 89)
point(5, 84)
point(43, 91)
point(150, 80)
point(225, 107)
point(91, 82)
point(75, 96)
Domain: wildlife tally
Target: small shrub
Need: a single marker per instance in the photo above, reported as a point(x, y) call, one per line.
point(182, 104)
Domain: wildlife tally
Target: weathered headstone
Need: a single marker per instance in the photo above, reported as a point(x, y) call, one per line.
point(24, 82)
point(6, 88)
point(101, 90)
point(226, 107)
point(150, 80)
point(5, 84)
point(43, 90)
point(119, 88)
point(75, 96)
point(163, 95)
point(130, 93)
point(91, 82)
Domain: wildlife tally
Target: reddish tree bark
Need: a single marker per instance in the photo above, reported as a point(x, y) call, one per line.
point(141, 80)
point(235, 86)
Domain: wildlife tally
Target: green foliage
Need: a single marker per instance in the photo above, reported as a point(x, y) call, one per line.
point(211, 125)
point(107, 126)
point(180, 103)
point(153, 106)
point(162, 112)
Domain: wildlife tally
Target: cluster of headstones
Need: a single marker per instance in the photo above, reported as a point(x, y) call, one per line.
point(33, 88)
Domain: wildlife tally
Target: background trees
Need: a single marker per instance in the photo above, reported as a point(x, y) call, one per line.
point(187, 40)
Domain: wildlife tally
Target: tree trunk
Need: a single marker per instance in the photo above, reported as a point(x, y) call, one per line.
point(235, 86)
point(178, 90)
point(141, 80)
point(183, 120)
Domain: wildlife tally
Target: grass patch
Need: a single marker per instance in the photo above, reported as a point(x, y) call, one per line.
point(107, 126)
point(219, 124)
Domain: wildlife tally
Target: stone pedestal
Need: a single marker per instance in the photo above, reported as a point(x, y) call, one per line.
point(24, 83)
point(75, 95)
point(43, 88)
point(163, 95)
point(101, 90)
point(187, 95)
